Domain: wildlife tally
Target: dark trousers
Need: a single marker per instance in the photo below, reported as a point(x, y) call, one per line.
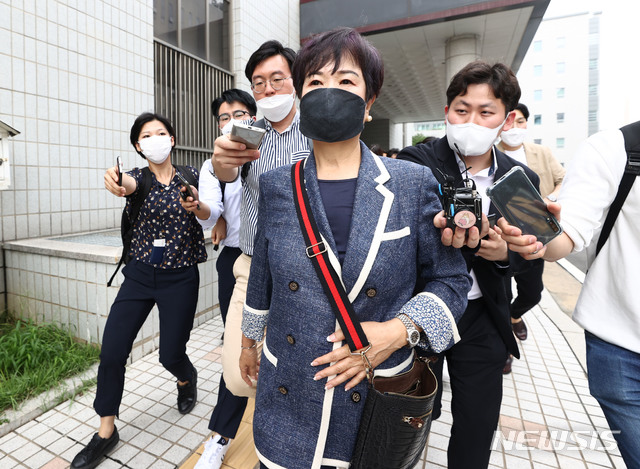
point(175, 291)
point(226, 279)
point(475, 368)
point(227, 414)
point(529, 285)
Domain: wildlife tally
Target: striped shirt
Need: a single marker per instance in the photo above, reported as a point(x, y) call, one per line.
point(276, 149)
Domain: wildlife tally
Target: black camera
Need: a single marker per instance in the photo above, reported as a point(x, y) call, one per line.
point(462, 205)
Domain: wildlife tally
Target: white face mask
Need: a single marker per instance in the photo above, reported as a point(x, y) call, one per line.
point(227, 127)
point(471, 139)
point(276, 107)
point(514, 137)
point(156, 148)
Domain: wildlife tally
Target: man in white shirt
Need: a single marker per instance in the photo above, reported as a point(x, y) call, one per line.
point(607, 307)
point(231, 106)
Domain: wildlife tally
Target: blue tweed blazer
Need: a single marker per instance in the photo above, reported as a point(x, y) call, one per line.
point(392, 241)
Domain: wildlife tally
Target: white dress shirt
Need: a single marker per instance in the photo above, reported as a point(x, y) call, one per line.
point(211, 194)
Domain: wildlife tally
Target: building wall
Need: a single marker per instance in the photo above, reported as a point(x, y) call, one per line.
point(563, 39)
point(251, 27)
point(74, 76)
point(619, 70)
point(51, 281)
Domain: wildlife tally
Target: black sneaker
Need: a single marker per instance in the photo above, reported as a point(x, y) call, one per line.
point(95, 450)
point(188, 394)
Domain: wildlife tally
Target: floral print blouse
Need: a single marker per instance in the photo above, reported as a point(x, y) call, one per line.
point(163, 218)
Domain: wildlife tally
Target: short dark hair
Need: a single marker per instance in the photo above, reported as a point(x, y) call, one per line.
point(523, 109)
point(141, 120)
point(331, 46)
point(234, 95)
point(377, 149)
point(265, 51)
point(499, 77)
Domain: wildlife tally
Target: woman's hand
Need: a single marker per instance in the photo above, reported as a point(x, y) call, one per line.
point(249, 365)
point(111, 182)
point(192, 204)
point(385, 338)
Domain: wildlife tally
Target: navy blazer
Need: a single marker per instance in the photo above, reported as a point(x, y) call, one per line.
point(437, 154)
point(297, 423)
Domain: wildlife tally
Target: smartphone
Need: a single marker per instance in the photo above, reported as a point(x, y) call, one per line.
point(249, 135)
point(521, 204)
point(119, 169)
point(188, 192)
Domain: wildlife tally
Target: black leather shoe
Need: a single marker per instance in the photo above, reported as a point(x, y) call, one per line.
point(188, 394)
point(507, 366)
point(519, 329)
point(95, 450)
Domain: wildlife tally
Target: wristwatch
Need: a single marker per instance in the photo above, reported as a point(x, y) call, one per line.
point(552, 198)
point(413, 335)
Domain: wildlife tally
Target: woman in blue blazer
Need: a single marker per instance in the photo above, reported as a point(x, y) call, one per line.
point(375, 215)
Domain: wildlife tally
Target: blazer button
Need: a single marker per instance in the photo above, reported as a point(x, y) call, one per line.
point(371, 292)
point(290, 339)
point(293, 286)
point(355, 396)
point(282, 390)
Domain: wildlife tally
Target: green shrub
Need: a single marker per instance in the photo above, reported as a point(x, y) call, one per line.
point(36, 357)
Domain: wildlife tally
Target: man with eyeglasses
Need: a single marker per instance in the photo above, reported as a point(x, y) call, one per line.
point(269, 71)
point(231, 106)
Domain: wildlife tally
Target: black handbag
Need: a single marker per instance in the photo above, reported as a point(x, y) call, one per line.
point(396, 419)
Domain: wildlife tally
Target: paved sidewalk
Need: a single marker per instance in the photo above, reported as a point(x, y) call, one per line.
point(546, 408)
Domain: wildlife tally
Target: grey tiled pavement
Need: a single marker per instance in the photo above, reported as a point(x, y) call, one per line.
point(546, 403)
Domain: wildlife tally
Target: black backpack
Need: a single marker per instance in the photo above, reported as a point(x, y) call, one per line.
point(128, 221)
point(631, 134)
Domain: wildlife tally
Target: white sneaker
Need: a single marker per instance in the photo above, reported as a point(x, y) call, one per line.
point(213, 455)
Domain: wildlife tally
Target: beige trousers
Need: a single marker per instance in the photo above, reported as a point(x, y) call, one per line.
point(233, 332)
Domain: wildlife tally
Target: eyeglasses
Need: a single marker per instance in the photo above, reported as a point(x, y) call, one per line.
point(226, 117)
point(276, 83)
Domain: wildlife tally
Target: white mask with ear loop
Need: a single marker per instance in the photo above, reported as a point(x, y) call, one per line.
point(471, 139)
point(156, 148)
point(514, 137)
point(229, 125)
point(276, 107)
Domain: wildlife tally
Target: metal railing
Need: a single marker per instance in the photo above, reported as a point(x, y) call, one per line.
point(184, 88)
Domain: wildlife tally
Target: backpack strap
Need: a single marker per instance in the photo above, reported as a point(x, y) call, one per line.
point(631, 134)
point(222, 186)
point(221, 183)
point(128, 221)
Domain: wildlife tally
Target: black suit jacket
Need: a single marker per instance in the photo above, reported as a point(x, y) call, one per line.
point(437, 154)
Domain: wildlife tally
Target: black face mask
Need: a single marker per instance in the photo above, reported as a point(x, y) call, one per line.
point(331, 115)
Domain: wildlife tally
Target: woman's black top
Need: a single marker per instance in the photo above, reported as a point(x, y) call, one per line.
point(338, 197)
